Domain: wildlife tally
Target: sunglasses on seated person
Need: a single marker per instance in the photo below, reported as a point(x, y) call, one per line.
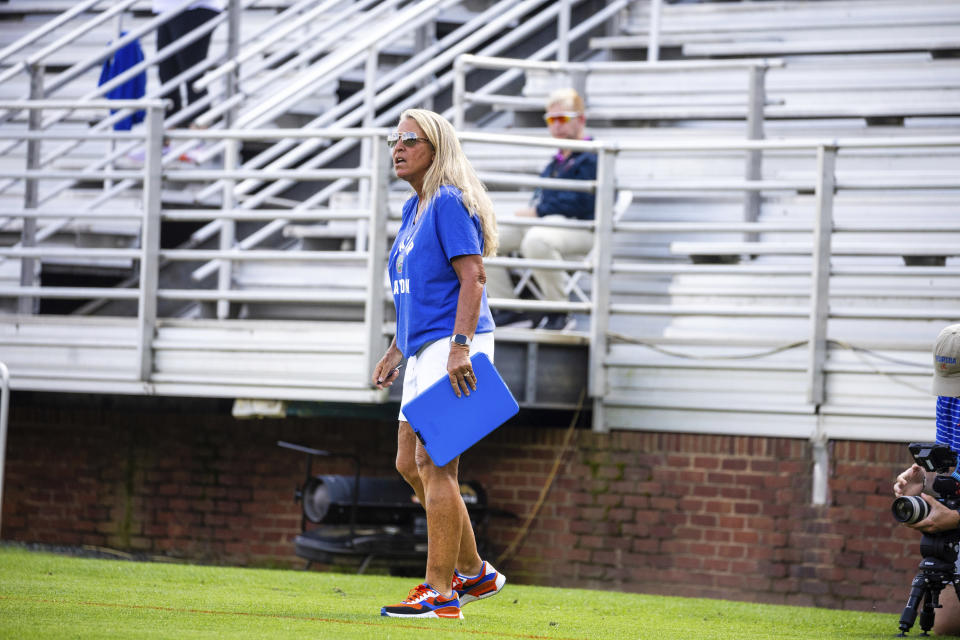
point(563, 117)
point(408, 138)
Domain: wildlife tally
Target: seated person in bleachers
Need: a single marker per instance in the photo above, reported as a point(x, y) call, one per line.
point(566, 120)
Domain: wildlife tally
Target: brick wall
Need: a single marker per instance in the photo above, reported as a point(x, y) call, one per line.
point(150, 477)
point(713, 516)
point(692, 515)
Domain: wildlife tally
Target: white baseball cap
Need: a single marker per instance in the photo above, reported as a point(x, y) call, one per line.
point(946, 362)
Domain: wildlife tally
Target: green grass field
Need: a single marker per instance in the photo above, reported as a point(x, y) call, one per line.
point(43, 595)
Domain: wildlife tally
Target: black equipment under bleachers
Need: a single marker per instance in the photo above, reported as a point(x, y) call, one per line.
point(356, 520)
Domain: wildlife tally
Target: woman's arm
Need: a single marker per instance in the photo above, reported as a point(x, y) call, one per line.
point(470, 272)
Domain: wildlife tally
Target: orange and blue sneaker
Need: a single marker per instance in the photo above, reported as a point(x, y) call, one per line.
point(487, 583)
point(424, 601)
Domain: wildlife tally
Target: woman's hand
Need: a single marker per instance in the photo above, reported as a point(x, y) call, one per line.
point(460, 369)
point(910, 482)
point(388, 369)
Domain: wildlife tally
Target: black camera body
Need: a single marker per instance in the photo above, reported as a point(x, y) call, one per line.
point(937, 458)
point(937, 570)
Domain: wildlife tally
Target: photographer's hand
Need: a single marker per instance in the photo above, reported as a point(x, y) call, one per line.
point(911, 482)
point(940, 518)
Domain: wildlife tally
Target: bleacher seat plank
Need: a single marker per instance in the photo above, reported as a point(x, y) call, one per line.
point(838, 248)
point(890, 42)
point(741, 19)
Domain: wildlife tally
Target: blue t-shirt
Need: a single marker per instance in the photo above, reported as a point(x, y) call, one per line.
point(425, 286)
point(948, 422)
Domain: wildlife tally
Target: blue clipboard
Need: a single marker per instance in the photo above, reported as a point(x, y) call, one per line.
point(447, 425)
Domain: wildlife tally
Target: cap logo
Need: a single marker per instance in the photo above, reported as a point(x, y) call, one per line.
point(946, 362)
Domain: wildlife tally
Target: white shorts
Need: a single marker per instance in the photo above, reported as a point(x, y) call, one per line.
point(431, 365)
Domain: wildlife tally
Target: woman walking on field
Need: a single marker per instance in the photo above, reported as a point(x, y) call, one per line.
point(437, 279)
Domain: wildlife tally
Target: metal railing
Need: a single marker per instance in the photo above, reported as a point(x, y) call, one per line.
point(824, 181)
point(41, 89)
point(419, 74)
point(505, 23)
point(576, 74)
point(824, 185)
point(149, 254)
point(226, 65)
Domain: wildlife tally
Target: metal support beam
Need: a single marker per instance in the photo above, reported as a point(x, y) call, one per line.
point(821, 466)
point(29, 267)
point(820, 277)
point(365, 185)
point(231, 156)
point(150, 243)
point(756, 100)
point(228, 227)
point(370, 86)
point(603, 259)
point(612, 26)
point(234, 16)
point(459, 92)
point(425, 37)
point(599, 417)
point(111, 167)
point(578, 81)
point(530, 386)
point(376, 257)
point(563, 32)
point(653, 37)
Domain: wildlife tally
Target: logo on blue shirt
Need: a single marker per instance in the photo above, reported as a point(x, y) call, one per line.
point(403, 284)
point(402, 252)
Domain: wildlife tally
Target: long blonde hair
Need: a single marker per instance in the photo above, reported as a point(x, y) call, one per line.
point(451, 167)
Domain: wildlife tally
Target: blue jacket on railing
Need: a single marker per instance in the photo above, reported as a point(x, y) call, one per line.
point(581, 165)
point(134, 88)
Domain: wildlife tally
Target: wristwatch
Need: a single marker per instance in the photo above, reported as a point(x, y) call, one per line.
point(459, 338)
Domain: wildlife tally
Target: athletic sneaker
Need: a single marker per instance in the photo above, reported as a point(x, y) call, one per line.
point(424, 601)
point(487, 583)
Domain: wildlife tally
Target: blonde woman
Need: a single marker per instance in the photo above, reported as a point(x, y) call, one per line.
point(437, 278)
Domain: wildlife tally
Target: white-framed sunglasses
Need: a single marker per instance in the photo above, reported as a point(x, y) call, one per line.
point(562, 117)
point(408, 138)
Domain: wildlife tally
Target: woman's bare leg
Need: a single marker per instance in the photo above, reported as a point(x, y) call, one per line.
point(468, 560)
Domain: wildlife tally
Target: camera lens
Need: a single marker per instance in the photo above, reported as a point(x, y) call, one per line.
point(910, 509)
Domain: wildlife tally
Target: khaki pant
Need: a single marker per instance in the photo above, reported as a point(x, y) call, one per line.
point(538, 243)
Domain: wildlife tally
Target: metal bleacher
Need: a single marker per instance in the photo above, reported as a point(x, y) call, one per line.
point(713, 312)
point(776, 28)
point(789, 253)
